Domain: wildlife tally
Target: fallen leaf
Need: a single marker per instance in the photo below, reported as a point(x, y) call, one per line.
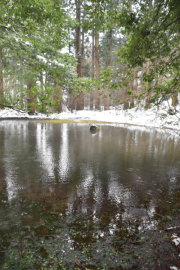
point(28, 236)
point(81, 266)
point(40, 223)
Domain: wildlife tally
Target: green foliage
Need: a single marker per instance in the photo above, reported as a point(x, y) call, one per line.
point(76, 241)
point(33, 33)
point(82, 85)
point(32, 36)
point(55, 251)
point(153, 35)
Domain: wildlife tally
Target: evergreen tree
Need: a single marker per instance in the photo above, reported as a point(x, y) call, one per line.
point(32, 35)
point(153, 29)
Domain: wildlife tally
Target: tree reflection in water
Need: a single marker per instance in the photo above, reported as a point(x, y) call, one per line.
point(115, 178)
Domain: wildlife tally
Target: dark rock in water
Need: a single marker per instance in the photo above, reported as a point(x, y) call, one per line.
point(93, 129)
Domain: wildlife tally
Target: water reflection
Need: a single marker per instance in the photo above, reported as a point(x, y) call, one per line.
point(44, 150)
point(118, 173)
point(64, 160)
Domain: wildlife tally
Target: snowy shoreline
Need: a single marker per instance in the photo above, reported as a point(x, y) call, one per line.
point(140, 119)
point(150, 118)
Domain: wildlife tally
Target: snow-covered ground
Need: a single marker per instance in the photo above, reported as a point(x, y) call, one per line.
point(137, 116)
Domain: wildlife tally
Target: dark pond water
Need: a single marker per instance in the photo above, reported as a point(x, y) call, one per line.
point(111, 176)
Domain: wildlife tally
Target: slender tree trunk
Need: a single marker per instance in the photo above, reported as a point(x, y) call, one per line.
point(106, 99)
point(71, 103)
point(78, 48)
point(91, 101)
point(132, 96)
point(110, 47)
point(58, 96)
point(148, 86)
point(148, 91)
point(126, 102)
point(92, 72)
point(136, 81)
point(82, 54)
point(31, 100)
point(97, 98)
point(109, 64)
point(140, 78)
point(84, 95)
point(43, 77)
point(69, 40)
point(150, 4)
point(21, 88)
point(79, 102)
point(174, 97)
point(78, 37)
point(97, 54)
point(1, 79)
point(160, 79)
point(131, 89)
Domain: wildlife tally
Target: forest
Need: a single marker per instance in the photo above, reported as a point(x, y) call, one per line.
point(88, 54)
point(89, 134)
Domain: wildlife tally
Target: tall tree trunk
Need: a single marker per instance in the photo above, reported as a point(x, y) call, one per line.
point(131, 84)
point(91, 101)
point(78, 48)
point(160, 81)
point(82, 54)
point(1, 79)
point(79, 102)
point(97, 98)
point(174, 97)
point(21, 88)
point(106, 99)
point(31, 100)
point(109, 64)
point(150, 4)
point(69, 38)
point(136, 81)
point(148, 86)
point(92, 71)
point(97, 54)
point(78, 37)
point(148, 91)
point(126, 102)
point(71, 103)
point(132, 96)
point(110, 47)
point(58, 96)
point(83, 96)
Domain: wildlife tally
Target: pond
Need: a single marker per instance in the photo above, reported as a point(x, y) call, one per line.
point(65, 189)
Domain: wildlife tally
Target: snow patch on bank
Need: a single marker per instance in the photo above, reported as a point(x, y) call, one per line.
point(176, 241)
point(136, 116)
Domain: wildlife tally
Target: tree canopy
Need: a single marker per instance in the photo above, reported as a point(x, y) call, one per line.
point(153, 30)
point(133, 44)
